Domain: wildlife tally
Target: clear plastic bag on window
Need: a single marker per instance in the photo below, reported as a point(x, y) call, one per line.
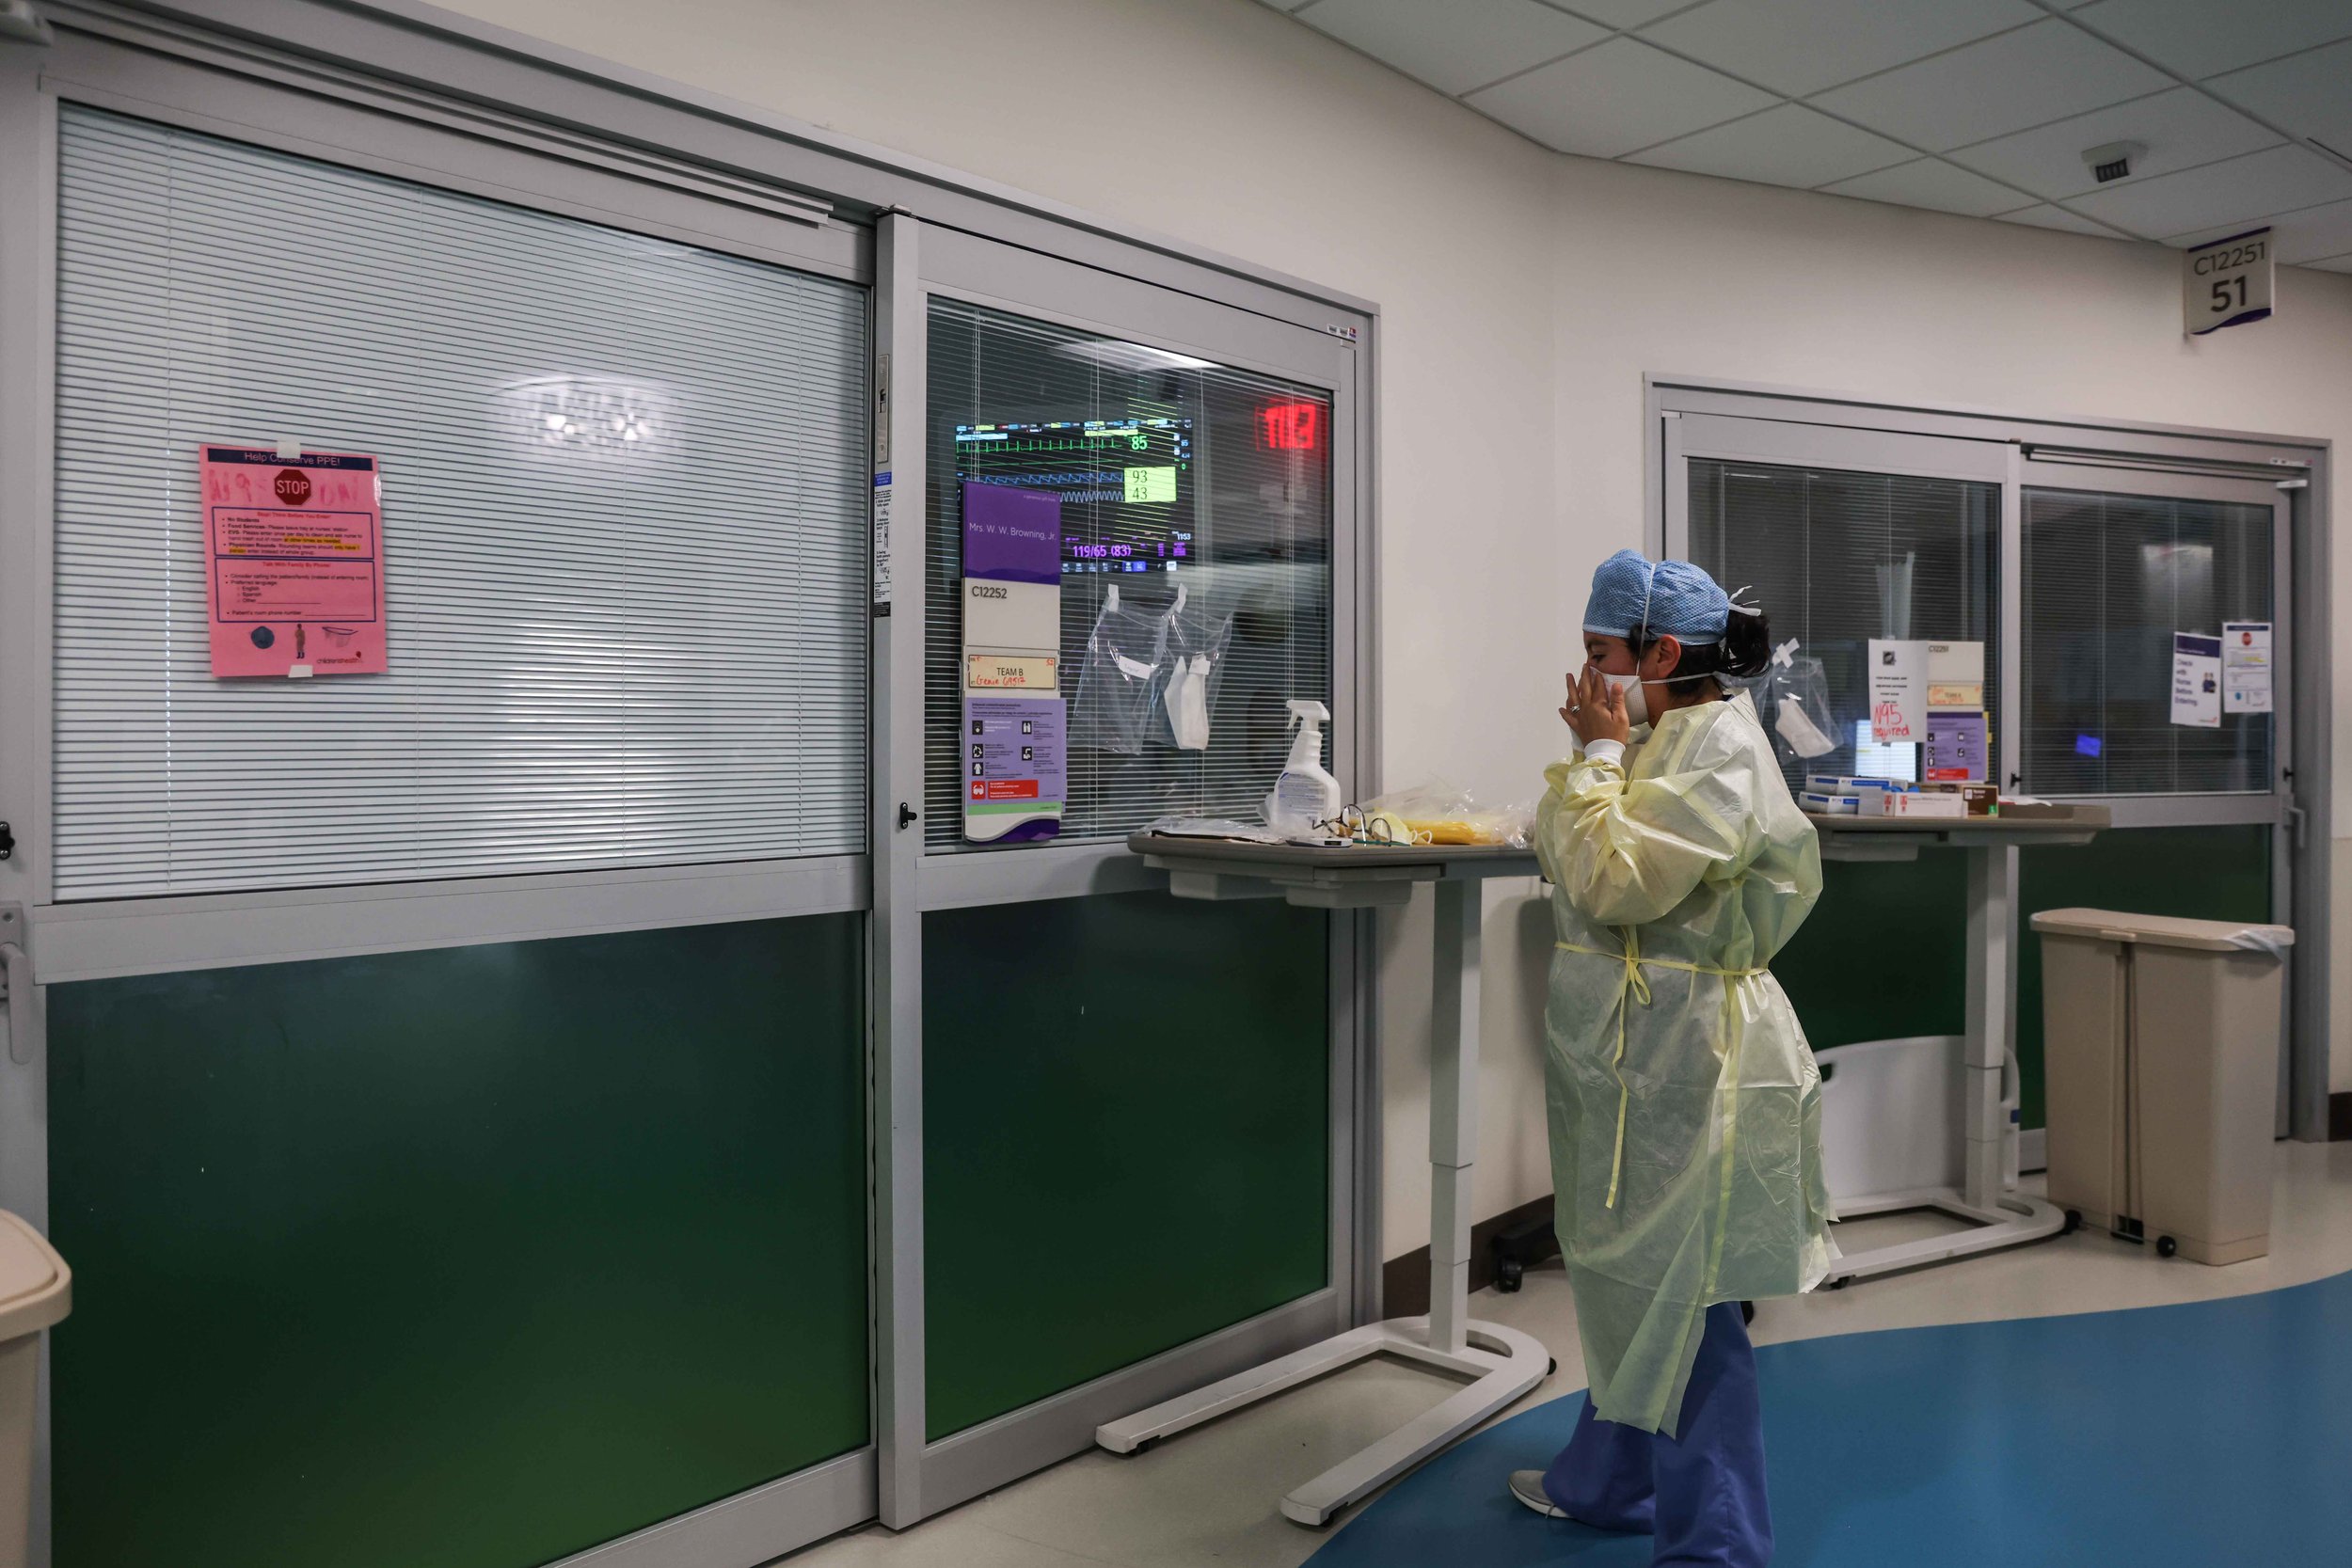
point(1119, 683)
point(1794, 701)
point(1197, 643)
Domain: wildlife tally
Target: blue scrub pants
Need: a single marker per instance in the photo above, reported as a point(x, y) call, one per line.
point(1701, 1493)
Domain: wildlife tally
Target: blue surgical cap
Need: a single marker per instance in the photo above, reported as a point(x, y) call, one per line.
point(1631, 594)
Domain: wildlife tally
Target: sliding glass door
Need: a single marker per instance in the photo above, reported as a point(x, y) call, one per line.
point(2155, 673)
point(2076, 577)
point(2118, 566)
point(1122, 548)
point(469, 1056)
point(1847, 540)
point(1848, 536)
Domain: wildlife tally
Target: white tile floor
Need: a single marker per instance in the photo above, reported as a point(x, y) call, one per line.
point(1208, 1497)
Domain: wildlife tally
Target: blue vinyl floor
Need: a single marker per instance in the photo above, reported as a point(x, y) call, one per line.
point(2189, 1436)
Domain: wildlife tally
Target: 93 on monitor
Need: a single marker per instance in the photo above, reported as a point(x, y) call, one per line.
point(2226, 283)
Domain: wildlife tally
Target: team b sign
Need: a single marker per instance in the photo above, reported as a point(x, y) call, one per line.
point(2226, 283)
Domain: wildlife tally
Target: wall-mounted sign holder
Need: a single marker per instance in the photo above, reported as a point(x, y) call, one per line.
point(1014, 744)
point(2227, 283)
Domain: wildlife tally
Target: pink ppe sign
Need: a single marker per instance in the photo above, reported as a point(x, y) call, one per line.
point(294, 562)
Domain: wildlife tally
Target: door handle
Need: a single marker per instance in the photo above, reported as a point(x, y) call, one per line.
point(24, 999)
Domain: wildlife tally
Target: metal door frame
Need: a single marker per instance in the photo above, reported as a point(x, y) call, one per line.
point(2121, 452)
point(2276, 808)
point(926, 261)
point(89, 939)
point(106, 67)
point(1975, 460)
point(1743, 438)
point(84, 940)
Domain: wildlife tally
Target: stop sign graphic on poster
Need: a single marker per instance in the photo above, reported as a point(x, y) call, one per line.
point(293, 580)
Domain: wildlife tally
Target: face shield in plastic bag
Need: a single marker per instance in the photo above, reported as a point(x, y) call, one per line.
point(1197, 641)
point(1119, 682)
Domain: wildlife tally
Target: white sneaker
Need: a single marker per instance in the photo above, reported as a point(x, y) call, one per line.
point(1528, 1487)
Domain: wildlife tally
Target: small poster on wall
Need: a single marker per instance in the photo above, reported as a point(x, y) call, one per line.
point(1959, 747)
point(2245, 686)
point(1015, 768)
point(1898, 692)
point(2196, 680)
point(293, 567)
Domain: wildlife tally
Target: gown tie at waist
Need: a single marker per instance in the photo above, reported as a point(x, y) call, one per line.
point(1632, 987)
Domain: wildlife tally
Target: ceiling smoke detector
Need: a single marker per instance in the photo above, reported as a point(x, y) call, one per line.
point(2114, 160)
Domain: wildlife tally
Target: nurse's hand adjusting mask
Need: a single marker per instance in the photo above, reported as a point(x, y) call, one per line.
point(1599, 708)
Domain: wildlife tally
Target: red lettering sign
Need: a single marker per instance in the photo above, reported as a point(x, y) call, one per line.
point(1290, 426)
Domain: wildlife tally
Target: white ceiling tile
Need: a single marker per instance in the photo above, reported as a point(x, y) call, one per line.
point(1621, 13)
point(2022, 78)
point(2181, 129)
point(1790, 144)
point(1616, 98)
point(1933, 184)
point(2308, 94)
point(2333, 264)
point(2046, 216)
point(1801, 46)
point(1456, 46)
point(2249, 189)
point(2309, 235)
point(2202, 37)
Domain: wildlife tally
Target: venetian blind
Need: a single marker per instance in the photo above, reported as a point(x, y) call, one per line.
point(1837, 557)
point(2108, 579)
point(623, 532)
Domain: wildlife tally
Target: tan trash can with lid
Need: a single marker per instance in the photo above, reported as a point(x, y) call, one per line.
point(2160, 1047)
point(36, 1290)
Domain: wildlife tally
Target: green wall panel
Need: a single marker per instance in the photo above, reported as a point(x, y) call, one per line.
point(2221, 873)
point(1880, 958)
point(1126, 1143)
point(1903, 924)
point(470, 1258)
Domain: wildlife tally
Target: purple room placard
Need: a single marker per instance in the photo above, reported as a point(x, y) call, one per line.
point(1011, 535)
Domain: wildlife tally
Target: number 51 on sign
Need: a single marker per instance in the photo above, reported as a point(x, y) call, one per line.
point(2226, 283)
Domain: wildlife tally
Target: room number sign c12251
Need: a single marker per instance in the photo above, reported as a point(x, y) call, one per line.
point(2226, 283)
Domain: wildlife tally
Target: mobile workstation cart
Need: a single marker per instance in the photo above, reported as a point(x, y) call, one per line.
point(2002, 1217)
point(1503, 1363)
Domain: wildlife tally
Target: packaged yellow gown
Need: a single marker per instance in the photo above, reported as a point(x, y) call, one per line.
point(1685, 1106)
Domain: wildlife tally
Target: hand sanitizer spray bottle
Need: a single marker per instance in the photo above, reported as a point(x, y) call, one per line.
point(1304, 795)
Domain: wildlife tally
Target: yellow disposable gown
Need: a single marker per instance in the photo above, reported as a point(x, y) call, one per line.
point(1685, 1105)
